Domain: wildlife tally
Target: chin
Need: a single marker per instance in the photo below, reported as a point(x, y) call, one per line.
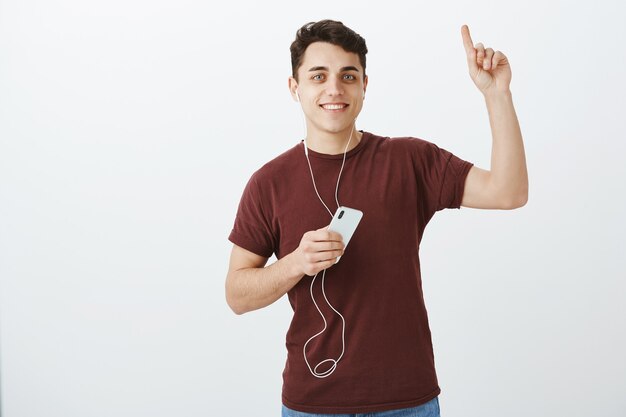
point(336, 128)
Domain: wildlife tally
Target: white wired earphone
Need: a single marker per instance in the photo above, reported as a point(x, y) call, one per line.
point(329, 371)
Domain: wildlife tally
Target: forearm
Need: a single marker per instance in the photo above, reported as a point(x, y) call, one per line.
point(250, 289)
point(509, 175)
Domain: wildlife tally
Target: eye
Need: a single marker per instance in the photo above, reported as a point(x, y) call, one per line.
point(318, 77)
point(349, 77)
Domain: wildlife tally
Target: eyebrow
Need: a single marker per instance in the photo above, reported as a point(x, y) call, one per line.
point(349, 68)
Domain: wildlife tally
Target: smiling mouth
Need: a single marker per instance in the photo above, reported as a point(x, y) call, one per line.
point(334, 106)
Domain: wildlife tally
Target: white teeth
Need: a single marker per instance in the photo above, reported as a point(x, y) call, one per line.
point(333, 106)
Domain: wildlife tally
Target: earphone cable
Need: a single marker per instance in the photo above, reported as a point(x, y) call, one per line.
point(329, 371)
point(338, 178)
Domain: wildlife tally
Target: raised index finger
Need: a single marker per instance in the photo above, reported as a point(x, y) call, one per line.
point(467, 39)
point(469, 47)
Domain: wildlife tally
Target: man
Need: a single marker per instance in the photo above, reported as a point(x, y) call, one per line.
point(375, 332)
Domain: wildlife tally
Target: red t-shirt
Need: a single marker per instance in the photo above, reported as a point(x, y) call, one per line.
point(398, 184)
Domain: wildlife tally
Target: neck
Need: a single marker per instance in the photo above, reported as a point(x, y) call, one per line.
point(331, 143)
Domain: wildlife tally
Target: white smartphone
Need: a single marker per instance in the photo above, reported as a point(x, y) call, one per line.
point(344, 222)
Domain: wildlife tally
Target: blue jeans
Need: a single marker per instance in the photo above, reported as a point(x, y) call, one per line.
point(429, 409)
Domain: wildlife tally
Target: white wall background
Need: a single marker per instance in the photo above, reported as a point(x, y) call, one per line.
point(128, 129)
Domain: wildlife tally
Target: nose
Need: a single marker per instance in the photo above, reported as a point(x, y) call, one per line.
point(334, 87)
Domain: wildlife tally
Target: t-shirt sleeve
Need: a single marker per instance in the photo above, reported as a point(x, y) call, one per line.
point(442, 175)
point(252, 229)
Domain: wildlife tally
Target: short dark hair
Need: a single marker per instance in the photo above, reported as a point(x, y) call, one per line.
point(330, 31)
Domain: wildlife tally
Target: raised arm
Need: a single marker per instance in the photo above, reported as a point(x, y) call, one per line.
point(505, 185)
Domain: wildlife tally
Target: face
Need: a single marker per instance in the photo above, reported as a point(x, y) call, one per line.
point(331, 88)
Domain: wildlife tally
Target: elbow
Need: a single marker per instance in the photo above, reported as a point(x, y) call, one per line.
point(514, 204)
point(523, 199)
point(516, 201)
point(237, 312)
point(236, 308)
point(231, 300)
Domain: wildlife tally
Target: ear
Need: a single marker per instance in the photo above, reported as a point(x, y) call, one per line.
point(365, 84)
point(293, 86)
